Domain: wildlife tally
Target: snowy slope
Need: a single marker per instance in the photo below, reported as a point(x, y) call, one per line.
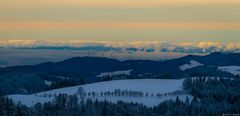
point(47, 82)
point(191, 64)
point(231, 69)
point(151, 86)
point(237, 51)
point(125, 72)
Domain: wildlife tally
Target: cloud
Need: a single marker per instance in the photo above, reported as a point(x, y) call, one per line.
point(143, 46)
point(210, 44)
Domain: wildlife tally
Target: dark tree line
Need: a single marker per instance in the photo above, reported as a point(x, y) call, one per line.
point(65, 105)
point(115, 77)
point(65, 83)
point(136, 76)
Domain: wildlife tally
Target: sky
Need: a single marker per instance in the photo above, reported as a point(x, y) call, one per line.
point(179, 21)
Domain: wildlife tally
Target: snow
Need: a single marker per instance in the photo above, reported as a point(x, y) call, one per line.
point(151, 86)
point(61, 77)
point(48, 83)
point(191, 64)
point(125, 72)
point(235, 70)
point(237, 51)
point(23, 90)
point(212, 78)
point(29, 100)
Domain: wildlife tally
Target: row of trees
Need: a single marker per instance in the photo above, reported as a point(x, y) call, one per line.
point(117, 92)
point(126, 93)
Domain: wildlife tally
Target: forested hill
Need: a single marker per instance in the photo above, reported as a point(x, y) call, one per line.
point(93, 66)
point(79, 70)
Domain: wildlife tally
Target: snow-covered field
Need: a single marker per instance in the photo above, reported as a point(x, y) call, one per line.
point(150, 86)
point(125, 72)
point(47, 82)
point(191, 64)
point(231, 69)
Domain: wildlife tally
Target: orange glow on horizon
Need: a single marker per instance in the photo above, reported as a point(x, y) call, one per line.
point(119, 25)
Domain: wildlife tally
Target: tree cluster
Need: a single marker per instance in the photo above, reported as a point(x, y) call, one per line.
point(216, 94)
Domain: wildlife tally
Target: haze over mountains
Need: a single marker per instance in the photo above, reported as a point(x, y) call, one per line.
point(13, 57)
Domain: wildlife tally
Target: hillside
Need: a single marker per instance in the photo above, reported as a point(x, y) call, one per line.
point(94, 69)
point(149, 92)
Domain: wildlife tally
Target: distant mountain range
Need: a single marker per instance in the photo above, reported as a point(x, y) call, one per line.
point(20, 79)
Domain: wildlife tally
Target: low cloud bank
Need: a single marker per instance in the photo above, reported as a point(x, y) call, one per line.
point(129, 46)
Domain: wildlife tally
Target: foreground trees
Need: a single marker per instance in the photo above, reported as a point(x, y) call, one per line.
point(215, 94)
point(64, 105)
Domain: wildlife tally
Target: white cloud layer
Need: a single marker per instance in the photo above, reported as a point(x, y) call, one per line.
point(156, 46)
